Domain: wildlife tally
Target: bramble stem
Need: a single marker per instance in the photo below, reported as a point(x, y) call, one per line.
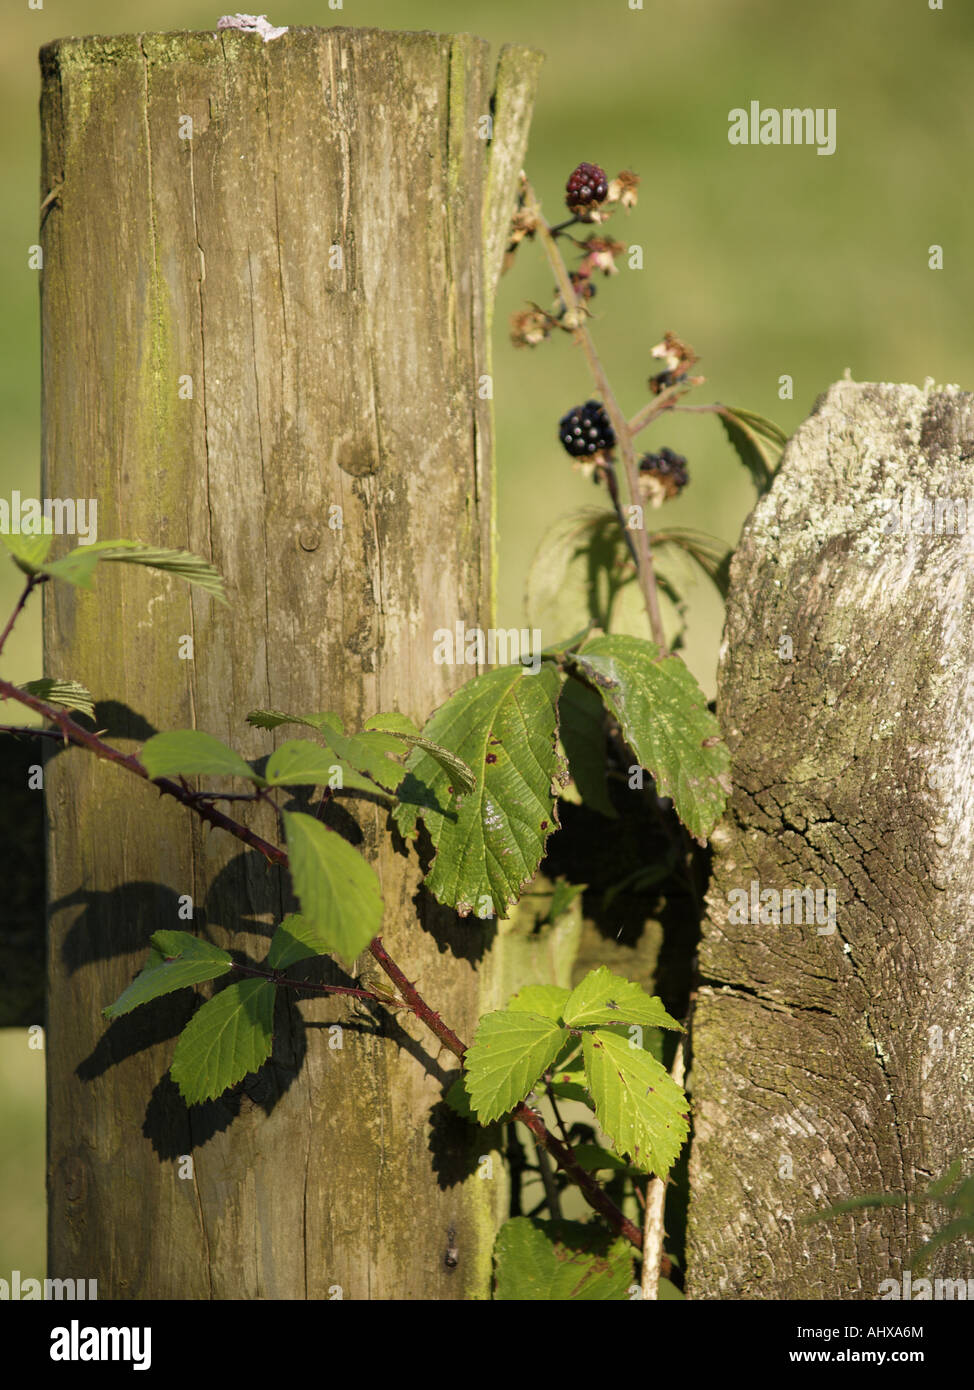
point(410, 996)
point(30, 585)
point(644, 561)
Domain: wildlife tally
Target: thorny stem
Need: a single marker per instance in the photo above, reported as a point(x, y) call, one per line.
point(409, 995)
point(644, 564)
point(277, 977)
point(31, 582)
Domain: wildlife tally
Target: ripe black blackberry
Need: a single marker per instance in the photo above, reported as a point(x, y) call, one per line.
point(586, 430)
point(668, 468)
point(586, 188)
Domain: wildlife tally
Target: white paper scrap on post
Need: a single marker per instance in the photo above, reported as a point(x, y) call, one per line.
point(254, 23)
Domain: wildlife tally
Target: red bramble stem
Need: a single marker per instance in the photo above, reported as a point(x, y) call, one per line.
point(410, 997)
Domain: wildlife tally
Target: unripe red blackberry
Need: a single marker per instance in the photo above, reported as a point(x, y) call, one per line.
point(668, 468)
point(586, 430)
point(586, 188)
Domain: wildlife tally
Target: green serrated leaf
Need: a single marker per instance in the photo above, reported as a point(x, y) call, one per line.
point(392, 723)
point(274, 718)
point(181, 563)
point(602, 997)
point(301, 763)
point(510, 1051)
point(339, 892)
point(458, 1099)
point(582, 719)
point(665, 721)
point(554, 1261)
point(67, 694)
point(366, 760)
point(295, 939)
point(193, 753)
point(503, 726)
point(230, 1036)
point(461, 778)
point(637, 1103)
point(77, 567)
point(176, 960)
point(369, 754)
point(29, 551)
point(547, 1001)
point(569, 1090)
point(757, 442)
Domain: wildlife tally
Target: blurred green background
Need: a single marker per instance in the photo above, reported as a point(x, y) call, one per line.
point(768, 260)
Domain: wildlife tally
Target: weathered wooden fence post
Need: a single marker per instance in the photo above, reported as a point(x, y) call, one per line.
point(267, 277)
point(836, 1058)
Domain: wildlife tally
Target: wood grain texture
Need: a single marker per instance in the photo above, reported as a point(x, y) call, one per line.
point(832, 1065)
point(317, 383)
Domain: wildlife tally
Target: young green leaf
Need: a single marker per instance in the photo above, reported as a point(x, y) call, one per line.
point(339, 892)
point(78, 566)
point(548, 1001)
point(176, 960)
point(182, 563)
point(392, 723)
point(295, 939)
point(28, 550)
point(300, 763)
point(274, 718)
point(230, 1036)
point(67, 694)
point(568, 1090)
point(193, 753)
point(665, 721)
point(510, 1051)
point(503, 726)
point(757, 441)
point(637, 1103)
point(602, 997)
point(554, 1261)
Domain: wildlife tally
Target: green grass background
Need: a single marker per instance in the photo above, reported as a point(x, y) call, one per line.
point(770, 261)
